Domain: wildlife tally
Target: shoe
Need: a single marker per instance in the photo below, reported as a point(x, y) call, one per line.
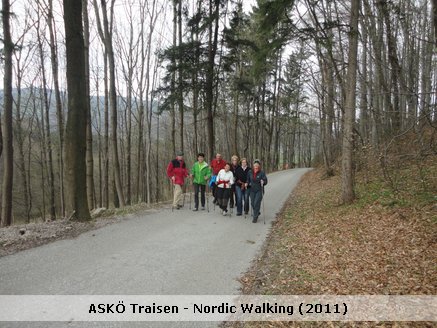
point(195, 209)
point(178, 207)
point(239, 214)
point(245, 213)
point(254, 220)
point(225, 212)
point(214, 201)
point(202, 208)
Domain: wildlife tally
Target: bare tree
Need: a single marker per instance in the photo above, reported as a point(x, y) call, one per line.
point(89, 133)
point(59, 113)
point(434, 19)
point(8, 173)
point(105, 33)
point(75, 136)
point(213, 31)
point(22, 62)
point(46, 125)
point(348, 194)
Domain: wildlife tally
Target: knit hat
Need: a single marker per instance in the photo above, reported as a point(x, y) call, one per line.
point(179, 153)
point(257, 161)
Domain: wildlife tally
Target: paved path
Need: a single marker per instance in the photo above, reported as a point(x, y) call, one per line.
point(183, 252)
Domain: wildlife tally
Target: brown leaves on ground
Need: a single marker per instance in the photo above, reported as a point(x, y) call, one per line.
point(318, 246)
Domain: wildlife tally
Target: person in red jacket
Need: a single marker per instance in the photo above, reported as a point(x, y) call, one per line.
point(177, 172)
point(217, 164)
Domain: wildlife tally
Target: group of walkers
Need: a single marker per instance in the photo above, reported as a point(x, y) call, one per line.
point(233, 183)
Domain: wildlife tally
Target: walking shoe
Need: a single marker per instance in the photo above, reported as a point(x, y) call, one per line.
point(195, 209)
point(245, 213)
point(239, 214)
point(254, 220)
point(178, 207)
point(225, 212)
point(202, 208)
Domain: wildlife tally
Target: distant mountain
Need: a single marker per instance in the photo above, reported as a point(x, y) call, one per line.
point(31, 98)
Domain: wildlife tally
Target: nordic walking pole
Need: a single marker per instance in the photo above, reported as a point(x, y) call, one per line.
point(172, 203)
point(207, 196)
point(185, 189)
point(214, 197)
point(245, 214)
point(264, 212)
point(230, 209)
point(190, 194)
point(244, 198)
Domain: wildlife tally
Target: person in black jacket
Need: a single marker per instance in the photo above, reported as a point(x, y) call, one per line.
point(234, 167)
point(256, 180)
point(241, 192)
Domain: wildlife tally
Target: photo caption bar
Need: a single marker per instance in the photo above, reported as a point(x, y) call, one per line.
point(218, 308)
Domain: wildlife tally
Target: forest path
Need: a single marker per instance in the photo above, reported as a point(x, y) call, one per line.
point(180, 252)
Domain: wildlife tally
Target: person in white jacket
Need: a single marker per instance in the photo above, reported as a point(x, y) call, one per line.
point(224, 181)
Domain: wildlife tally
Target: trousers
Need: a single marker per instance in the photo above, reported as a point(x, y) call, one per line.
point(255, 200)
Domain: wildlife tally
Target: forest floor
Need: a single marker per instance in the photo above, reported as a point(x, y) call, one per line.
point(24, 236)
point(383, 243)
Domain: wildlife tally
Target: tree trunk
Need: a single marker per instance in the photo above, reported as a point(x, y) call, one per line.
point(89, 134)
point(434, 19)
point(173, 80)
point(8, 170)
point(348, 194)
point(75, 137)
point(105, 32)
point(396, 76)
point(20, 140)
point(209, 84)
point(46, 117)
point(180, 87)
point(113, 99)
point(150, 85)
point(364, 115)
point(59, 113)
point(106, 137)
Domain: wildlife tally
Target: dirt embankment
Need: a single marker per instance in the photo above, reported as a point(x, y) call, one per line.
point(379, 245)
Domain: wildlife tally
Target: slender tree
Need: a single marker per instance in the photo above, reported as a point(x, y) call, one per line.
point(213, 31)
point(59, 112)
point(105, 29)
point(45, 117)
point(89, 132)
point(348, 194)
point(434, 19)
point(8, 170)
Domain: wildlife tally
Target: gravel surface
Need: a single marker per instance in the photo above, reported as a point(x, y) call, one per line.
point(24, 236)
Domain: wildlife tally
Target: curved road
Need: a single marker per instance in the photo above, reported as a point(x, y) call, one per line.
point(183, 252)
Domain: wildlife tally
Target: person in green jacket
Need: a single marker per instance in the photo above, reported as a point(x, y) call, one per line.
point(200, 173)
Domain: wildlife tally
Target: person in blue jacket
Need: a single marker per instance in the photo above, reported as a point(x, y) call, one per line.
point(256, 180)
